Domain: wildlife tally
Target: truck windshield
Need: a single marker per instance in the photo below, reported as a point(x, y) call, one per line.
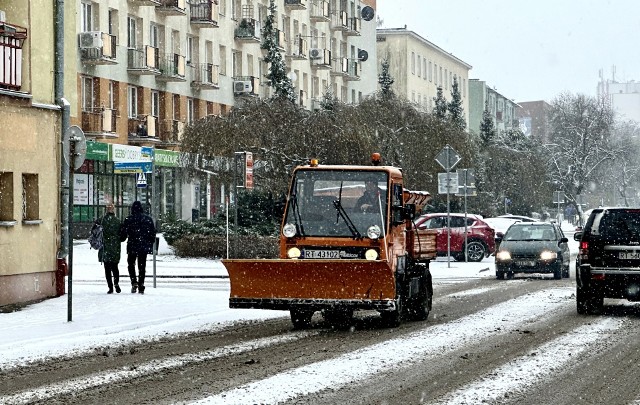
point(335, 202)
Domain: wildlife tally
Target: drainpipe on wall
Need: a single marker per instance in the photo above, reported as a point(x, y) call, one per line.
point(64, 127)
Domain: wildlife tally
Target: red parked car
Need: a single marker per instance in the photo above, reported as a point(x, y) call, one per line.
point(481, 240)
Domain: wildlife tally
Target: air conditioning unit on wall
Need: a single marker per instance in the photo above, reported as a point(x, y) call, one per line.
point(316, 53)
point(242, 86)
point(90, 39)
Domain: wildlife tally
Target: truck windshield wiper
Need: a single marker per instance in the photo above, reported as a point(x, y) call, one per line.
point(341, 213)
point(296, 213)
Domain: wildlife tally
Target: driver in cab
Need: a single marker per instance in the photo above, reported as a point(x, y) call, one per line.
point(370, 200)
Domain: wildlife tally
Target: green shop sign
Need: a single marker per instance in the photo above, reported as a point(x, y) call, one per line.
point(167, 158)
point(97, 151)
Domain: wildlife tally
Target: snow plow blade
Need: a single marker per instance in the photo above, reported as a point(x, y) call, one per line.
point(281, 284)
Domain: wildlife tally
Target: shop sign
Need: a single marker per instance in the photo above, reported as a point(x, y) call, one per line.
point(126, 153)
point(167, 158)
point(97, 151)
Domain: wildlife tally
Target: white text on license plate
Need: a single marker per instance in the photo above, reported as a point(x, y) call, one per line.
point(322, 254)
point(526, 263)
point(629, 255)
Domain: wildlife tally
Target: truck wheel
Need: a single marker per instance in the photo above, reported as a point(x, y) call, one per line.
point(338, 318)
point(475, 251)
point(420, 306)
point(301, 318)
point(557, 273)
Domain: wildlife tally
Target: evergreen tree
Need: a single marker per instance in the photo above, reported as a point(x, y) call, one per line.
point(487, 130)
point(440, 109)
point(385, 80)
point(456, 112)
point(277, 75)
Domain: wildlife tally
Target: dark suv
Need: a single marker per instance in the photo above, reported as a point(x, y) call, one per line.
point(608, 264)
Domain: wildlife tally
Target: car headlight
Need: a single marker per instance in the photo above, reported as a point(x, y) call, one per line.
point(293, 253)
point(371, 254)
point(289, 230)
point(548, 255)
point(503, 255)
point(373, 232)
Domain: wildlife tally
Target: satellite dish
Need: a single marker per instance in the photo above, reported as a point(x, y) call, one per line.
point(363, 55)
point(80, 146)
point(367, 13)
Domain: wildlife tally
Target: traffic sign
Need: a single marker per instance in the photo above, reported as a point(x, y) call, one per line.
point(558, 197)
point(448, 158)
point(141, 180)
point(449, 185)
point(75, 135)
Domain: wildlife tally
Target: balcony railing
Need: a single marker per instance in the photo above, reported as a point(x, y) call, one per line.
point(99, 121)
point(142, 128)
point(146, 2)
point(205, 13)
point(295, 4)
point(172, 68)
point(354, 26)
point(299, 48)
point(246, 86)
point(340, 21)
point(206, 76)
point(172, 7)
point(248, 29)
point(171, 131)
point(144, 61)
point(11, 39)
point(97, 48)
point(320, 58)
point(349, 69)
point(320, 11)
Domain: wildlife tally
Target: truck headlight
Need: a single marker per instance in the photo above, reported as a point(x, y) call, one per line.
point(548, 255)
point(371, 254)
point(289, 230)
point(503, 255)
point(373, 232)
point(293, 253)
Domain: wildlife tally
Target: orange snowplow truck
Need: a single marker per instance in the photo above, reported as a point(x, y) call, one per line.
point(346, 243)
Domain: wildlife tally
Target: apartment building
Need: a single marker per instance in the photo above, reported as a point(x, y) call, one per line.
point(419, 67)
point(29, 151)
point(148, 68)
point(532, 118)
point(501, 108)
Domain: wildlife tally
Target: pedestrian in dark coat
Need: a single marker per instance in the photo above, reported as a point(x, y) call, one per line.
point(140, 232)
point(109, 253)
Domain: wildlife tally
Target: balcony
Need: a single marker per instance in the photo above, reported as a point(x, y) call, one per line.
point(340, 21)
point(299, 49)
point(320, 58)
point(154, 3)
point(206, 76)
point(97, 48)
point(320, 11)
point(171, 131)
point(99, 122)
point(172, 67)
point(295, 4)
point(143, 129)
point(348, 69)
point(248, 30)
point(354, 26)
point(205, 13)
point(11, 39)
point(143, 61)
point(246, 86)
point(172, 7)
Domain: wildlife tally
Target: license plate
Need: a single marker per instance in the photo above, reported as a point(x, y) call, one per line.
point(526, 263)
point(321, 254)
point(629, 255)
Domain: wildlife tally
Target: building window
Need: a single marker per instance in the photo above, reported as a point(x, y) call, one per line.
point(132, 103)
point(87, 94)
point(424, 68)
point(176, 107)
point(446, 82)
point(430, 73)
point(189, 55)
point(223, 60)
point(86, 11)
point(6, 196)
point(153, 35)
point(131, 32)
point(30, 197)
point(413, 63)
point(419, 68)
point(155, 103)
point(113, 22)
point(190, 111)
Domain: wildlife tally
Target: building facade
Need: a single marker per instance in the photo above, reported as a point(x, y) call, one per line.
point(419, 67)
point(532, 118)
point(502, 109)
point(30, 145)
point(148, 68)
point(624, 98)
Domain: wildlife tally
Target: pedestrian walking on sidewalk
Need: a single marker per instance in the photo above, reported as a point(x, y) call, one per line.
point(109, 253)
point(140, 233)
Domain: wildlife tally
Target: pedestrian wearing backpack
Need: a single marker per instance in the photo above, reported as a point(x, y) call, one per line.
point(109, 253)
point(140, 232)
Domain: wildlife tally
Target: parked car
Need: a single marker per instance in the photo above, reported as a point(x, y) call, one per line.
point(608, 264)
point(480, 236)
point(533, 247)
point(500, 224)
point(522, 218)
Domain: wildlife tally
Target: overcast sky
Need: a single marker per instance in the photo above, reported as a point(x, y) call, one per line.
point(529, 50)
